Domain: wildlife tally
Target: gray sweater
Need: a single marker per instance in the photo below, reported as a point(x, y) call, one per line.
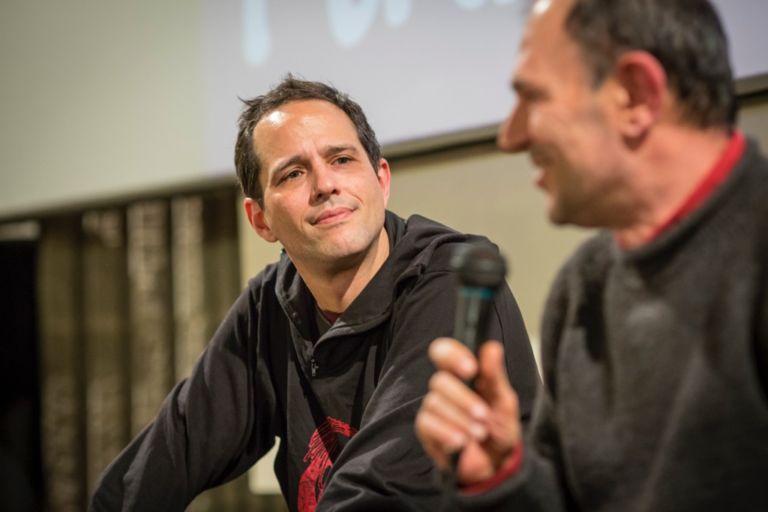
point(655, 369)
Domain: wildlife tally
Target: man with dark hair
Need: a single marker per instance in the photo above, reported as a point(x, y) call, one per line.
point(655, 333)
point(292, 89)
point(325, 349)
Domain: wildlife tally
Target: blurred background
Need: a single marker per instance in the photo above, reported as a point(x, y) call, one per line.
point(122, 240)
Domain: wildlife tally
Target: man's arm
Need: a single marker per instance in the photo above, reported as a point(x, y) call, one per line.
point(209, 429)
point(498, 468)
point(383, 467)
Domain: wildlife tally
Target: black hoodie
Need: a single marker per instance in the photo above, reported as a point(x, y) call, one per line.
point(342, 403)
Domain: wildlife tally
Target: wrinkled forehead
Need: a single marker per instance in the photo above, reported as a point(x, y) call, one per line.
point(304, 111)
point(296, 126)
point(303, 118)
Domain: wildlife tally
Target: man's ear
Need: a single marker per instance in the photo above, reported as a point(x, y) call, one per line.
point(384, 176)
point(258, 221)
point(643, 90)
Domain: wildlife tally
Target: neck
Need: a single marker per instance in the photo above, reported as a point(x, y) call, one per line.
point(335, 288)
point(665, 172)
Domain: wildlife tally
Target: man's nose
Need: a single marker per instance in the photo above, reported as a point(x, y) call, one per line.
point(513, 132)
point(325, 180)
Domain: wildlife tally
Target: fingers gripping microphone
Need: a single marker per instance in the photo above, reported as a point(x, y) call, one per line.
point(480, 270)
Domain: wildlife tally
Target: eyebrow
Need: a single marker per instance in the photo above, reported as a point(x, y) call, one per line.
point(519, 86)
point(525, 89)
point(326, 152)
point(335, 150)
point(288, 163)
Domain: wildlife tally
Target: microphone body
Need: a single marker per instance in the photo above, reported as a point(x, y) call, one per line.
point(481, 271)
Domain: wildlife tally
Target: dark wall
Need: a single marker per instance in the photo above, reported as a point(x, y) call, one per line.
point(20, 467)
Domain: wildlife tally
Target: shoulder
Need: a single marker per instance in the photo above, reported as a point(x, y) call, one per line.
point(736, 217)
point(437, 243)
point(263, 280)
point(755, 160)
point(259, 290)
point(748, 184)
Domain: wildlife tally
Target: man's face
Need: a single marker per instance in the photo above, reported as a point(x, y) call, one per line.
point(564, 123)
point(322, 199)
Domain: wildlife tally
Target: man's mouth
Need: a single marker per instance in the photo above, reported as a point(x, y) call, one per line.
point(540, 163)
point(332, 215)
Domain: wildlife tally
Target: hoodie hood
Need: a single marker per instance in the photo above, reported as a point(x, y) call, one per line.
point(413, 243)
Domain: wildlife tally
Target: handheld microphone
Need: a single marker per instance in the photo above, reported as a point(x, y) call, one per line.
point(481, 271)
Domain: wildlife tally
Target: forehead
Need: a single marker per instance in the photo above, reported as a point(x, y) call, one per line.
point(304, 116)
point(293, 127)
point(547, 52)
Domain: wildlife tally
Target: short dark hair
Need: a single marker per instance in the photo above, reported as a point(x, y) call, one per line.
point(687, 38)
point(247, 162)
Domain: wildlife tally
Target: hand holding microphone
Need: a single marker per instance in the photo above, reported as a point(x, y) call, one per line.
point(482, 425)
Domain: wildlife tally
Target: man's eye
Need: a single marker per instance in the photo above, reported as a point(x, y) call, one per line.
point(343, 160)
point(290, 175)
point(532, 96)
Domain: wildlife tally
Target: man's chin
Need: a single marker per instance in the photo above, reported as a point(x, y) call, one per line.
point(341, 251)
point(557, 216)
point(558, 221)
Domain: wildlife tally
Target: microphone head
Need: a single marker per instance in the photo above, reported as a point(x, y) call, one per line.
point(479, 265)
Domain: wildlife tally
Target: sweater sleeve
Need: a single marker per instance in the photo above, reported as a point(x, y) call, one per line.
point(212, 427)
point(383, 467)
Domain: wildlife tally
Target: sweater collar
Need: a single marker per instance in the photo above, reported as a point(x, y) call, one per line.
point(412, 246)
point(711, 181)
point(709, 199)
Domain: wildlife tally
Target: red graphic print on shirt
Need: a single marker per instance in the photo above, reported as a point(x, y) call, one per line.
point(323, 448)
